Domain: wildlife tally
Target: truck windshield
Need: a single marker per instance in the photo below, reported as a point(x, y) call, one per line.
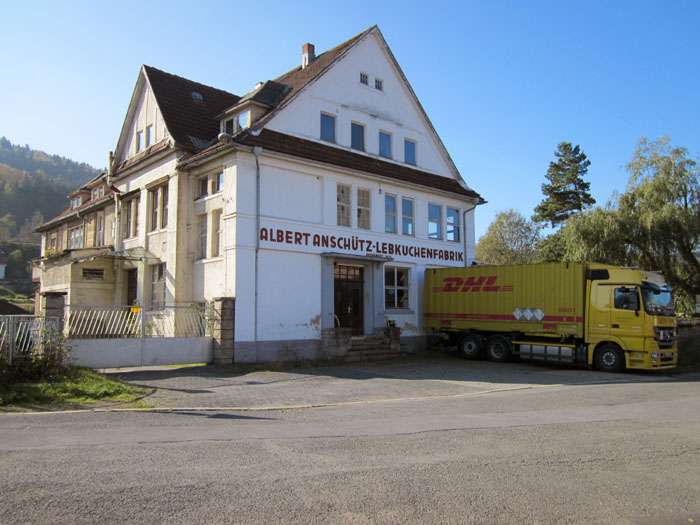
point(657, 301)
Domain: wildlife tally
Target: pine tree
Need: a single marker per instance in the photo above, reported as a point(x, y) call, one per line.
point(567, 192)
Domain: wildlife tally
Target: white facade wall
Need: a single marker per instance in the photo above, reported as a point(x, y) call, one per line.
point(393, 109)
point(298, 205)
point(280, 237)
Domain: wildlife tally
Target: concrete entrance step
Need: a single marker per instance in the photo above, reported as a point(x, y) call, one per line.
point(370, 348)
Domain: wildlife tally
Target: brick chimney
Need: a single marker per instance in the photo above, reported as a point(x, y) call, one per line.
point(307, 54)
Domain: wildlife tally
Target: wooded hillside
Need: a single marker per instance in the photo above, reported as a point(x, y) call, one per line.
point(33, 188)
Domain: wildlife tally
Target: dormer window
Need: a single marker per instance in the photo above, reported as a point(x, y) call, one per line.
point(243, 120)
point(228, 126)
point(76, 202)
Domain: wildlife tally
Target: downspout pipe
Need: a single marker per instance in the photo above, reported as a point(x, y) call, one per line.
point(464, 233)
point(257, 150)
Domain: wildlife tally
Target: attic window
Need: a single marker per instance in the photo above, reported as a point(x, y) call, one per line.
point(228, 126)
point(363, 78)
point(197, 97)
point(244, 120)
point(379, 84)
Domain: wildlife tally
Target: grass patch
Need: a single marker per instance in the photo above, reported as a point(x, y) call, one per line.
point(78, 388)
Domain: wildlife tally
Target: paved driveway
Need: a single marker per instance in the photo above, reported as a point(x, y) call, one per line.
point(411, 377)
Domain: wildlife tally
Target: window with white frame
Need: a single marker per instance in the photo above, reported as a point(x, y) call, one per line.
point(243, 120)
point(158, 198)
point(357, 136)
point(158, 285)
point(364, 78)
point(149, 135)
point(139, 140)
point(434, 221)
point(202, 189)
point(327, 127)
point(379, 84)
point(130, 214)
point(52, 243)
point(228, 126)
point(409, 151)
point(155, 209)
point(384, 144)
point(216, 233)
point(407, 216)
point(343, 201)
point(364, 197)
point(390, 213)
point(452, 224)
point(201, 236)
point(395, 288)
point(99, 229)
point(218, 182)
point(76, 238)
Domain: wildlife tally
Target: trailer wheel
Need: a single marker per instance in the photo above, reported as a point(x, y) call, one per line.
point(498, 348)
point(470, 346)
point(609, 358)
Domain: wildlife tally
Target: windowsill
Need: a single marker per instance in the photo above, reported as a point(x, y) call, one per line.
point(210, 260)
point(373, 89)
point(159, 230)
point(399, 311)
point(208, 196)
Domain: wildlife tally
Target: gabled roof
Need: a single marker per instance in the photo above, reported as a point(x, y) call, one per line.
point(70, 213)
point(299, 77)
point(191, 120)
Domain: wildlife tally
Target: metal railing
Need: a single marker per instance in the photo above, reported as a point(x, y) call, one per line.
point(112, 322)
point(27, 335)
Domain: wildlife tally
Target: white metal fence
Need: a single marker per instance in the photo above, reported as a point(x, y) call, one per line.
point(113, 322)
point(27, 335)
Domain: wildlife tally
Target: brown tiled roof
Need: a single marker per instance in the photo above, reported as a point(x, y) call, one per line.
point(67, 214)
point(190, 121)
point(299, 77)
point(312, 150)
point(143, 155)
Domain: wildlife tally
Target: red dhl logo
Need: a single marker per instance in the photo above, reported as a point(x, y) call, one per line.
point(472, 284)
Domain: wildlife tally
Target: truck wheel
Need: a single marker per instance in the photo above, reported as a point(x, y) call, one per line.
point(498, 348)
point(609, 358)
point(470, 346)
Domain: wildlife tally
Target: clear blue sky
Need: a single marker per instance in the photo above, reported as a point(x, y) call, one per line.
point(502, 81)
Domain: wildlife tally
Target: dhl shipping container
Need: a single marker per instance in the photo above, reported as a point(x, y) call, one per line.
point(566, 312)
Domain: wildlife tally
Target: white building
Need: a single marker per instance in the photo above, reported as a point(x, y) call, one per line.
point(317, 201)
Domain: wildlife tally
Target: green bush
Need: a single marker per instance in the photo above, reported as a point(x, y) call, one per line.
point(46, 362)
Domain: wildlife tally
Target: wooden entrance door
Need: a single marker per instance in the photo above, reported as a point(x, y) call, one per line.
point(348, 289)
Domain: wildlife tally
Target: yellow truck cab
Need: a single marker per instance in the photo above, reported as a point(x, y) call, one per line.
point(631, 314)
point(604, 316)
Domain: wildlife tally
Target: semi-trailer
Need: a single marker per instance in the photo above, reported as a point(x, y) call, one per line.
point(604, 316)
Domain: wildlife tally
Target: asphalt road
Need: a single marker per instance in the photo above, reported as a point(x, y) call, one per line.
point(598, 453)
